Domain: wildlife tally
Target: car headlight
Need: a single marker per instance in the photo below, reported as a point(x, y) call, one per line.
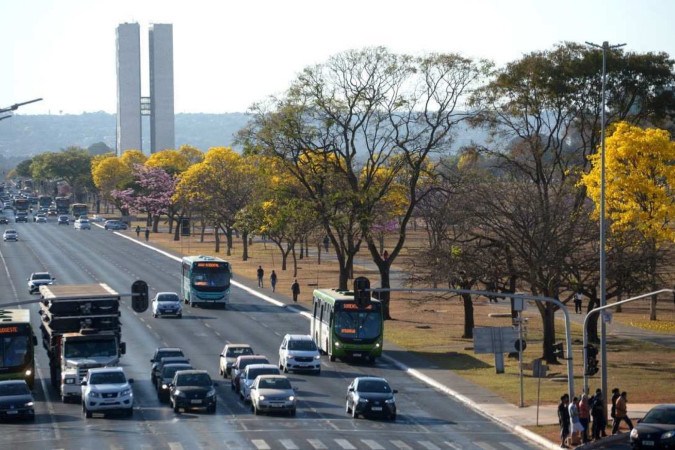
point(94, 394)
point(165, 386)
point(211, 393)
point(377, 345)
point(337, 344)
point(29, 372)
point(126, 392)
point(28, 404)
point(289, 356)
point(362, 400)
point(291, 398)
point(317, 357)
point(390, 401)
point(178, 393)
point(667, 435)
point(262, 397)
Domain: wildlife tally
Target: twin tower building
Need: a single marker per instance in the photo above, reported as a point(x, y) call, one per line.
point(131, 106)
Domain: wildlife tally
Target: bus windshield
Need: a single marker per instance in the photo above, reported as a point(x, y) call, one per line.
point(358, 324)
point(14, 351)
point(215, 277)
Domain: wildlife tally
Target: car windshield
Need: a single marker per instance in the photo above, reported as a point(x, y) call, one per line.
point(173, 298)
point(252, 374)
point(304, 344)
point(378, 386)
point(13, 389)
point(274, 383)
point(660, 415)
point(107, 378)
point(42, 276)
point(245, 362)
point(238, 351)
point(167, 353)
point(170, 371)
point(193, 379)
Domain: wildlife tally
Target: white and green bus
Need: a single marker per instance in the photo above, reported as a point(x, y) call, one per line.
point(206, 281)
point(17, 341)
point(341, 328)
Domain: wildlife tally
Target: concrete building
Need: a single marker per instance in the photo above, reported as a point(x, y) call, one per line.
point(162, 127)
point(129, 126)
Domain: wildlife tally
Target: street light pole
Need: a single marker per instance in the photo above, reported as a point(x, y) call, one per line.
point(603, 291)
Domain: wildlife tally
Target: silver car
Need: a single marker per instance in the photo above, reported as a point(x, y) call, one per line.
point(273, 393)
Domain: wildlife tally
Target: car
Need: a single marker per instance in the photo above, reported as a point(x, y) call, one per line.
point(38, 279)
point(114, 225)
point(63, 220)
point(21, 217)
point(192, 389)
point(10, 235)
point(43, 210)
point(273, 393)
point(96, 218)
point(229, 356)
point(240, 364)
point(299, 352)
point(250, 373)
point(371, 396)
point(16, 400)
point(107, 389)
point(82, 224)
point(157, 370)
point(167, 304)
point(165, 377)
point(161, 352)
point(656, 429)
point(52, 211)
point(40, 218)
point(4, 221)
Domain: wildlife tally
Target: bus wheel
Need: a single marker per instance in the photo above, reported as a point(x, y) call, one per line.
point(371, 359)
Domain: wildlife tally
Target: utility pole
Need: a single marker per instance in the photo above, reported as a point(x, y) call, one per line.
point(14, 107)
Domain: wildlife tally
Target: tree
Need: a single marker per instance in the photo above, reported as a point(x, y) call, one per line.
point(110, 174)
point(640, 178)
point(23, 168)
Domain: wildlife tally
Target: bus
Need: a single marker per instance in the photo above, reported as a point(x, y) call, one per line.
point(206, 281)
point(343, 329)
point(44, 201)
point(79, 209)
point(21, 204)
point(17, 342)
point(62, 205)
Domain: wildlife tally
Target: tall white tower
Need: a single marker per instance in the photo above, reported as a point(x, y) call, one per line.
point(162, 128)
point(128, 87)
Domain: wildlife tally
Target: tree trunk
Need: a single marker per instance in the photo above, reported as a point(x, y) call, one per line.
point(176, 234)
point(468, 316)
point(592, 329)
point(652, 270)
point(217, 236)
point(302, 250)
point(155, 224)
point(244, 236)
point(385, 283)
point(228, 235)
point(295, 261)
point(547, 312)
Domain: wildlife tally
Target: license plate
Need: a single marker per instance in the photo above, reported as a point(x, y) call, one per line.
point(9, 413)
point(376, 408)
point(357, 355)
point(195, 402)
point(649, 443)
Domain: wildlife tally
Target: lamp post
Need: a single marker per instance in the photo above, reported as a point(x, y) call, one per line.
point(603, 291)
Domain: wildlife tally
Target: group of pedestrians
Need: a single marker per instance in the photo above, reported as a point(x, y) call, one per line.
point(295, 287)
point(575, 417)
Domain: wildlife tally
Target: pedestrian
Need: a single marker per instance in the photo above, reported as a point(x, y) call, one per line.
point(621, 413)
point(598, 415)
point(577, 302)
point(564, 419)
point(584, 417)
point(326, 241)
point(295, 288)
point(273, 280)
point(575, 424)
point(261, 274)
point(612, 412)
point(147, 233)
point(138, 231)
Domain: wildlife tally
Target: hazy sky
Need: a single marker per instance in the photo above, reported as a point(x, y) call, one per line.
point(229, 54)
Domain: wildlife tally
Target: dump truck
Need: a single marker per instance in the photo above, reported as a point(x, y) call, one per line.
point(81, 329)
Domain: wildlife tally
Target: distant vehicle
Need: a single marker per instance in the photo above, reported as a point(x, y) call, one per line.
point(273, 393)
point(44, 201)
point(52, 211)
point(40, 218)
point(62, 205)
point(351, 330)
point(166, 376)
point(63, 220)
point(107, 389)
point(162, 352)
point(656, 429)
point(10, 235)
point(21, 216)
point(21, 204)
point(17, 346)
point(96, 218)
point(249, 375)
point(79, 209)
point(156, 373)
point(206, 281)
point(38, 279)
point(4, 221)
point(82, 224)
point(299, 352)
point(371, 396)
point(114, 225)
point(167, 304)
point(230, 354)
point(191, 389)
point(239, 366)
point(16, 400)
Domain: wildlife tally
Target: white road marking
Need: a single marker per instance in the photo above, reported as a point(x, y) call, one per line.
point(344, 443)
point(260, 444)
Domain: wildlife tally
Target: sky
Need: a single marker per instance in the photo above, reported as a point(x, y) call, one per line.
point(230, 54)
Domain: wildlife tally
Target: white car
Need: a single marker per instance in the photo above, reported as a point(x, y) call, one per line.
point(107, 389)
point(82, 224)
point(230, 354)
point(167, 304)
point(10, 235)
point(299, 352)
point(272, 393)
point(38, 279)
point(251, 372)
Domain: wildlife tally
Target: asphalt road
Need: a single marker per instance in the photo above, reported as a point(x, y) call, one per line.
point(427, 419)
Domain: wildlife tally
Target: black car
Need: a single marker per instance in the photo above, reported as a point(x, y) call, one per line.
point(16, 400)
point(166, 377)
point(656, 429)
point(157, 368)
point(371, 396)
point(192, 389)
point(160, 353)
point(4, 221)
point(63, 220)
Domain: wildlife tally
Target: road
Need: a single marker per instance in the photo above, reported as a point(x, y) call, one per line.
point(427, 418)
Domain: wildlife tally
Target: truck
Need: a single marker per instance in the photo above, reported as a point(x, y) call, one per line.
point(81, 330)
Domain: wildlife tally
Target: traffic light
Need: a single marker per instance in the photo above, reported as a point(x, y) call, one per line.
point(362, 291)
point(591, 360)
point(558, 350)
point(139, 296)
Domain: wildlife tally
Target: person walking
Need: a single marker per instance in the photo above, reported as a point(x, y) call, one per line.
point(616, 393)
point(575, 424)
point(261, 274)
point(584, 417)
point(577, 302)
point(273, 280)
point(138, 231)
point(147, 233)
point(598, 415)
point(621, 413)
point(295, 289)
point(564, 419)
